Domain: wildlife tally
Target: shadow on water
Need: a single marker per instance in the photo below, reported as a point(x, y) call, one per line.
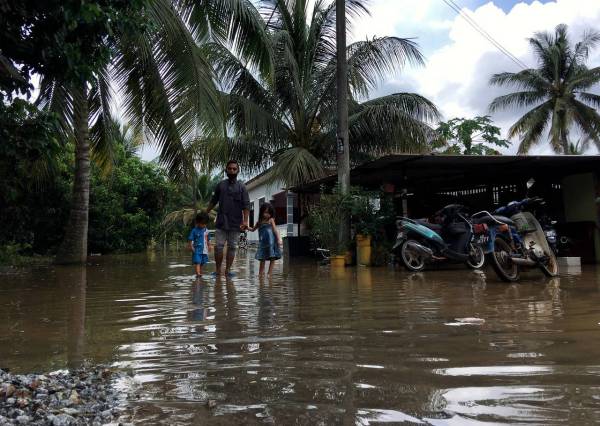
point(310, 345)
point(73, 283)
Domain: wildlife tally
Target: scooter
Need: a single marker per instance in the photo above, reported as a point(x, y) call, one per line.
point(517, 242)
point(555, 242)
point(419, 242)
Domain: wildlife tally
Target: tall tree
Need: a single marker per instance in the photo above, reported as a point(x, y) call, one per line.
point(149, 50)
point(579, 147)
point(343, 144)
point(286, 120)
point(195, 197)
point(558, 90)
point(471, 136)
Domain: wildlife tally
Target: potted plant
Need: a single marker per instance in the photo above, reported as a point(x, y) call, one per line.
point(364, 217)
point(324, 219)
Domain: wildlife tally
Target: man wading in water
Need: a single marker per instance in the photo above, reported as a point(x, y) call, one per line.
point(232, 217)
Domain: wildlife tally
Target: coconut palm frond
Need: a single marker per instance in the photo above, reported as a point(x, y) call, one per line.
point(559, 83)
point(527, 79)
point(394, 123)
point(370, 61)
point(296, 165)
point(104, 132)
point(517, 99)
point(583, 79)
point(588, 121)
point(531, 126)
point(57, 97)
point(590, 98)
point(251, 119)
point(233, 23)
point(147, 102)
point(213, 152)
point(537, 114)
point(287, 121)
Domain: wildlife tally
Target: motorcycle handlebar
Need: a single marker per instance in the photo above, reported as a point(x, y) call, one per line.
point(517, 206)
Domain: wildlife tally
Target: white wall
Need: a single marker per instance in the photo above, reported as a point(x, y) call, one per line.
point(579, 193)
point(266, 191)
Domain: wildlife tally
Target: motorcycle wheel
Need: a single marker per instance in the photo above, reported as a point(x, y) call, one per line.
point(411, 260)
point(500, 260)
point(476, 258)
point(551, 268)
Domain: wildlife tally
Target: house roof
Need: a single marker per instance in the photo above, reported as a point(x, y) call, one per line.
point(448, 171)
point(257, 180)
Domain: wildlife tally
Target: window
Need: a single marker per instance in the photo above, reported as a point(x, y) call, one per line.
point(290, 208)
point(279, 203)
point(251, 213)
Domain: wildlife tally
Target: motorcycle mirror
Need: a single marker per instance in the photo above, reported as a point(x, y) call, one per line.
point(530, 183)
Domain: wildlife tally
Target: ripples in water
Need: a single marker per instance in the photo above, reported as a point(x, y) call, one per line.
point(360, 346)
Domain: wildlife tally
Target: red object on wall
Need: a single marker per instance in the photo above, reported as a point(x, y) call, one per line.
point(389, 188)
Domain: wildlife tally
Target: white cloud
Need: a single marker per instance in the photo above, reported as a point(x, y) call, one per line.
point(458, 69)
point(459, 60)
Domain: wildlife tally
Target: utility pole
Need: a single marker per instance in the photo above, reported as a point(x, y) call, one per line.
point(343, 149)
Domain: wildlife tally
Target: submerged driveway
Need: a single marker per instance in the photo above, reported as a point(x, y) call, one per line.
point(355, 347)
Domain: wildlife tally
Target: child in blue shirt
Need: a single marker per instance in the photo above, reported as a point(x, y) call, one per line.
point(198, 239)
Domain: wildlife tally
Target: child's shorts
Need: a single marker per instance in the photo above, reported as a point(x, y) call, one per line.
point(199, 259)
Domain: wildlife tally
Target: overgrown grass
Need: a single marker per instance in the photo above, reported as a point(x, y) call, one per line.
point(15, 255)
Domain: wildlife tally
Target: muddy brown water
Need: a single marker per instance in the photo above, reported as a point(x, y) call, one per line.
point(362, 346)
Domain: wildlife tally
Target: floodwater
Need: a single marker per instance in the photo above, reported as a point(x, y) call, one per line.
point(362, 346)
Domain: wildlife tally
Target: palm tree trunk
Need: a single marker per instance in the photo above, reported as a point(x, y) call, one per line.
point(195, 193)
point(343, 146)
point(74, 282)
point(74, 245)
point(565, 143)
point(564, 132)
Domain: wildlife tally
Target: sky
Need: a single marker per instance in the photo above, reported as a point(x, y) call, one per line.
point(460, 61)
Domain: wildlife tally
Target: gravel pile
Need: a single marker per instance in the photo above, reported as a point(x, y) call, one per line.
point(78, 397)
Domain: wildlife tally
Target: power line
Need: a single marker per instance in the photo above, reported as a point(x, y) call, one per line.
point(487, 35)
point(484, 33)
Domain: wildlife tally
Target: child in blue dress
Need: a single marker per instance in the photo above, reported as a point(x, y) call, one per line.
point(198, 239)
point(269, 239)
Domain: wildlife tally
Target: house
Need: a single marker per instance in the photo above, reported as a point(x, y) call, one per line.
point(422, 184)
point(261, 189)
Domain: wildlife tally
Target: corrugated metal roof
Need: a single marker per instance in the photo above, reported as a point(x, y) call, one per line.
point(457, 170)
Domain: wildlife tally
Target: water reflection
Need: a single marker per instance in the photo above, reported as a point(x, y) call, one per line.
point(198, 295)
point(310, 345)
point(73, 283)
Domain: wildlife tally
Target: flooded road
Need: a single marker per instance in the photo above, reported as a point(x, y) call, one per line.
point(363, 346)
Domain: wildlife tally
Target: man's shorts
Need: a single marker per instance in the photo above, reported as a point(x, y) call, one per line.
point(229, 237)
point(199, 258)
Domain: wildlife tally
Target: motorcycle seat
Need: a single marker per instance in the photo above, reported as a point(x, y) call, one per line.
point(492, 220)
point(433, 226)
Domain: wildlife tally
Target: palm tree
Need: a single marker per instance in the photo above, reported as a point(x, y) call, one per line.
point(558, 91)
point(286, 119)
point(197, 196)
point(579, 147)
point(118, 136)
point(166, 84)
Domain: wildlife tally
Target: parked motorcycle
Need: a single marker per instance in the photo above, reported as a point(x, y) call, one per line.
point(517, 240)
point(556, 243)
point(419, 242)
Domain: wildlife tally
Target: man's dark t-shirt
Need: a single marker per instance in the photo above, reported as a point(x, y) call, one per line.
point(232, 198)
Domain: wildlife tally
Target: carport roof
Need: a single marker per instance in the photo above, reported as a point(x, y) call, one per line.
point(452, 171)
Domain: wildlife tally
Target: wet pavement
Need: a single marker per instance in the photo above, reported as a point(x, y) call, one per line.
point(361, 346)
